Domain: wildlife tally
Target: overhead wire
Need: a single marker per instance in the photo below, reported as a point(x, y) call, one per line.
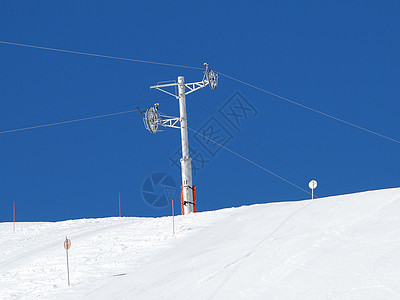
point(100, 55)
point(207, 110)
point(68, 121)
point(197, 68)
point(188, 67)
point(309, 108)
point(250, 161)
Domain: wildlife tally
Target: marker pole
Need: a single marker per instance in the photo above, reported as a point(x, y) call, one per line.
point(66, 250)
point(67, 266)
point(14, 216)
point(120, 204)
point(312, 185)
point(173, 218)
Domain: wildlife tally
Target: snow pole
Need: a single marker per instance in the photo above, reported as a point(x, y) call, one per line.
point(119, 204)
point(14, 216)
point(67, 245)
point(173, 218)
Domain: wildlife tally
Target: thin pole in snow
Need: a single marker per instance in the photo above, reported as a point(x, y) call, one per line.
point(67, 267)
point(173, 218)
point(14, 216)
point(67, 245)
point(119, 204)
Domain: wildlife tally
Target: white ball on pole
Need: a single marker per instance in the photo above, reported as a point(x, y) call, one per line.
point(312, 185)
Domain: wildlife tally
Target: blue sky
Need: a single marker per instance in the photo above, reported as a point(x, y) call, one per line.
point(339, 57)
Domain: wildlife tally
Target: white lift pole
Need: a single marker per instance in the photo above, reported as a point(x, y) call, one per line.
point(152, 118)
point(186, 161)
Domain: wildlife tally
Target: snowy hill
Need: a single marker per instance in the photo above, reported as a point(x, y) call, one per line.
point(343, 247)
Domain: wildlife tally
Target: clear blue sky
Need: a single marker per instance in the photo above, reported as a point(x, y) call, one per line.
point(341, 58)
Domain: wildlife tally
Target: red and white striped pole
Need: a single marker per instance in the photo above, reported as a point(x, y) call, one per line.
point(14, 216)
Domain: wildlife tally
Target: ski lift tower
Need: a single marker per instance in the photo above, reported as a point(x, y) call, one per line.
point(153, 118)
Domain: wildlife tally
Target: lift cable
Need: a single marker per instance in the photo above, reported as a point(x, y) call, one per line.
point(309, 108)
point(296, 169)
point(220, 73)
point(68, 121)
point(99, 55)
point(250, 161)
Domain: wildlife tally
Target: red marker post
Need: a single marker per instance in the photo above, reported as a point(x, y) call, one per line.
point(67, 245)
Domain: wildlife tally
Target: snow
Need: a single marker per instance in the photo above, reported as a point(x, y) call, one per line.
point(342, 247)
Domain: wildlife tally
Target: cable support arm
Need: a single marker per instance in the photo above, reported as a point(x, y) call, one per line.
point(169, 93)
point(194, 86)
point(170, 122)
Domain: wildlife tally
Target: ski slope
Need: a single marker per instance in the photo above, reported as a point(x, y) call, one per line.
point(342, 247)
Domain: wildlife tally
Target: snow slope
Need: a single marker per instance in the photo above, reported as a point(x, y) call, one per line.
point(343, 247)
